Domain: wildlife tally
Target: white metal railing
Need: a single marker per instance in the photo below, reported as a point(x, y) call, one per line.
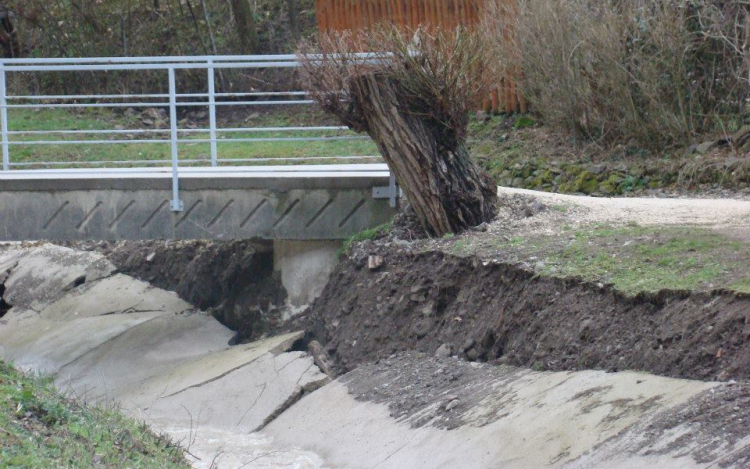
point(171, 100)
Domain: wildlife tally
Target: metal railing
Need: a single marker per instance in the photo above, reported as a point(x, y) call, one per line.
point(173, 100)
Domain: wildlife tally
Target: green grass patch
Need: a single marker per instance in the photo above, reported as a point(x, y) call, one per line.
point(369, 234)
point(39, 428)
point(103, 119)
point(636, 259)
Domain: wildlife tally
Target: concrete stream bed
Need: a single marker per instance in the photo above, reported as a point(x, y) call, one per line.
point(110, 339)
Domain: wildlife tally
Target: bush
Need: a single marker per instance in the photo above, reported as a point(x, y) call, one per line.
point(652, 73)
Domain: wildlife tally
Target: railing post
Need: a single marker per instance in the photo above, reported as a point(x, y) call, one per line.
point(393, 191)
point(177, 205)
point(212, 112)
point(4, 118)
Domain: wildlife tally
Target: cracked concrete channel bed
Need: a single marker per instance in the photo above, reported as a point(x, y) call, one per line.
point(113, 340)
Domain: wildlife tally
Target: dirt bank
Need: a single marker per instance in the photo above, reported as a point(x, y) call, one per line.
point(232, 280)
point(438, 303)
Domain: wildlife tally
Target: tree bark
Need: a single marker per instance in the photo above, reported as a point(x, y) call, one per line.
point(444, 186)
point(292, 8)
point(245, 25)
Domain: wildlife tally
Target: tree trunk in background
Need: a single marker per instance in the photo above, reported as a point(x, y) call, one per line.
point(293, 14)
point(9, 36)
point(446, 189)
point(245, 23)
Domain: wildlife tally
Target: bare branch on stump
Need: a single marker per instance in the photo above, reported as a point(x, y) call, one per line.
point(413, 100)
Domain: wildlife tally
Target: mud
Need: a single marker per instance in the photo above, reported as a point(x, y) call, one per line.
point(233, 280)
point(502, 314)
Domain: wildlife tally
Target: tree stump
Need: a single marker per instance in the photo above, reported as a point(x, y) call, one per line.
point(444, 186)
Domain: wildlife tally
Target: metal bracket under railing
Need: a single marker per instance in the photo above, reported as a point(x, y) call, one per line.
point(392, 192)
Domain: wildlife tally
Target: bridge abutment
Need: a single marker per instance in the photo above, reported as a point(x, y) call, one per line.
point(305, 267)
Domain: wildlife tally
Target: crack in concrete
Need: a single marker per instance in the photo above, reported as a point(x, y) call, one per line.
point(211, 380)
point(290, 401)
point(253, 404)
point(392, 454)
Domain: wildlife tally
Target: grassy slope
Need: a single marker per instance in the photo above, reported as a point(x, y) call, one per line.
point(632, 258)
point(41, 429)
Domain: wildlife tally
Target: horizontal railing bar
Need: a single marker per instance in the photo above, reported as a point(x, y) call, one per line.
point(274, 139)
point(186, 141)
point(65, 163)
point(253, 103)
point(133, 96)
point(148, 60)
point(85, 105)
point(84, 132)
point(85, 142)
point(193, 169)
point(145, 66)
point(191, 161)
point(299, 158)
point(188, 104)
point(168, 59)
point(156, 66)
point(281, 129)
point(144, 131)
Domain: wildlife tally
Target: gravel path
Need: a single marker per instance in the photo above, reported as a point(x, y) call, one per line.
point(728, 215)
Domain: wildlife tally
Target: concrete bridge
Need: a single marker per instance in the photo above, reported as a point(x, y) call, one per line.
point(303, 211)
point(313, 202)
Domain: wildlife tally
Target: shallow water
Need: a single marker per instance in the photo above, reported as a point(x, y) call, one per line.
point(213, 448)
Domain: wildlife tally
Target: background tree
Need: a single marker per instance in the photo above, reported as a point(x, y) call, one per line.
point(413, 99)
point(245, 24)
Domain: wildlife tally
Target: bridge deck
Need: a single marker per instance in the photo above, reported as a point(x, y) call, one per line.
point(270, 202)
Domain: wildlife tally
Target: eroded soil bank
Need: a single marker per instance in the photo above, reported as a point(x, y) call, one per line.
point(234, 280)
point(438, 303)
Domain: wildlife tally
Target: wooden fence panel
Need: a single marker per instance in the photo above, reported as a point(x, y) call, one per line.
point(356, 15)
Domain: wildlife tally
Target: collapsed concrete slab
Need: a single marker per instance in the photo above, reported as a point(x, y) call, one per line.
point(210, 367)
point(419, 411)
point(47, 346)
point(119, 294)
point(40, 275)
point(246, 399)
point(115, 369)
point(110, 339)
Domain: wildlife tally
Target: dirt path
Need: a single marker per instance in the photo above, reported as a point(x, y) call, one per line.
point(721, 214)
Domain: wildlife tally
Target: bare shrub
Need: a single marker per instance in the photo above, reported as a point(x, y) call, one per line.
point(653, 73)
point(412, 96)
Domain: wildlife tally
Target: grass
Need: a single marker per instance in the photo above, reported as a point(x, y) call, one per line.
point(103, 119)
point(632, 258)
point(636, 259)
point(39, 428)
point(369, 234)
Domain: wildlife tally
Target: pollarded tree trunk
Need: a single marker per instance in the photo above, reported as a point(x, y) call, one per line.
point(446, 189)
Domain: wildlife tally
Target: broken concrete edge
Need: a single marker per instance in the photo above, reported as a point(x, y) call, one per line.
point(286, 344)
point(295, 397)
point(38, 275)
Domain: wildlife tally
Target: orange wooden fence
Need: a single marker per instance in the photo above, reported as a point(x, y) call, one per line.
point(355, 15)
